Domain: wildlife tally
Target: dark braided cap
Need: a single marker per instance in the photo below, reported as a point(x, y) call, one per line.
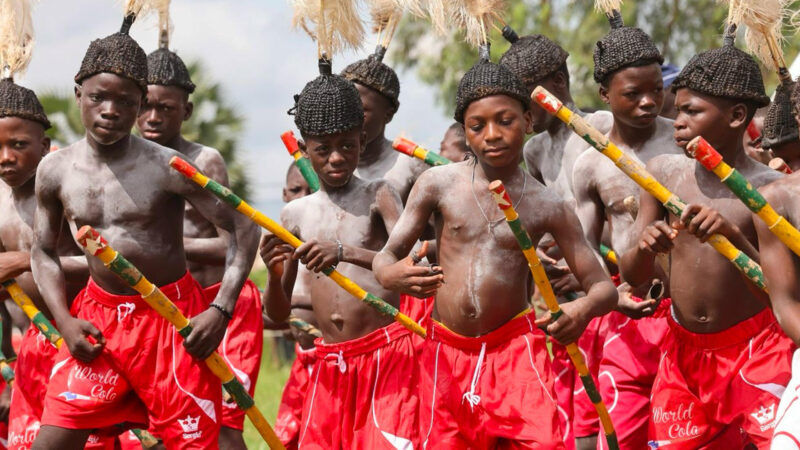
point(796, 96)
point(374, 74)
point(533, 58)
point(166, 68)
point(17, 101)
point(623, 47)
point(485, 79)
point(329, 104)
point(118, 54)
point(725, 72)
point(779, 125)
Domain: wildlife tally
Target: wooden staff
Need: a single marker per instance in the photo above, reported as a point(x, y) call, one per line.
point(608, 254)
point(408, 147)
point(710, 158)
point(637, 172)
point(780, 165)
point(540, 278)
point(5, 370)
point(303, 326)
point(283, 234)
point(303, 164)
point(98, 247)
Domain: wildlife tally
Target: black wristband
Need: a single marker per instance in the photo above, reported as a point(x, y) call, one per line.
point(222, 310)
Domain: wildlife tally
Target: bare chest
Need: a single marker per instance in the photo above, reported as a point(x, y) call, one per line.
point(16, 232)
point(358, 226)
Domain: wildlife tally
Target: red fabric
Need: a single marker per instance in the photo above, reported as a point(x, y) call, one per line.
point(492, 391)
point(631, 352)
point(143, 363)
point(241, 347)
point(418, 309)
point(720, 390)
point(363, 393)
point(290, 411)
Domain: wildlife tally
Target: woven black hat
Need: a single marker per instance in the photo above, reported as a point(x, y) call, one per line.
point(724, 72)
point(623, 47)
point(779, 125)
point(166, 68)
point(118, 54)
point(374, 74)
point(485, 79)
point(328, 104)
point(795, 97)
point(533, 58)
point(17, 101)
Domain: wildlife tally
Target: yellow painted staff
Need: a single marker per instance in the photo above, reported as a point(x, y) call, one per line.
point(303, 164)
point(410, 148)
point(5, 370)
point(710, 158)
point(303, 326)
point(98, 247)
point(608, 254)
point(636, 171)
point(283, 234)
point(540, 278)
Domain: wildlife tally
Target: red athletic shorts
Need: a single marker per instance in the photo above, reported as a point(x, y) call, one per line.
point(241, 347)
point(631, 352)
point(580, 417)
point(290, 411)
point(492, 391)
point(720, 390)
point(363, 394)
point(143, 364)
point(787, 428)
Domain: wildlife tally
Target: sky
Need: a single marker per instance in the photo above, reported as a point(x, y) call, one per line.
point(247, 45)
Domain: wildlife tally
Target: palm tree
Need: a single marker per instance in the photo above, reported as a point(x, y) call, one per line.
point(214, 123)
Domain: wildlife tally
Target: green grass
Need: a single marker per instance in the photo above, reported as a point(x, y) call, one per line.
point(269, 387)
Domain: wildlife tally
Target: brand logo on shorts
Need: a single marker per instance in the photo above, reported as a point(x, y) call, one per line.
point(679, 422)
point(765, 416)
point(190, 425)
point(29, 433)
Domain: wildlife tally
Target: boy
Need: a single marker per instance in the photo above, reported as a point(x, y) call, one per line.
point(122, 362)
point(725, 361)
point(160, 120)
point(780, 134)
point(454, 144)
point(362, 392)
point(485, 378)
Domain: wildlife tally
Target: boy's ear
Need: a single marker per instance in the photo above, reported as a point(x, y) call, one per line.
point(285, 195)
point(528, 114)
point(45, 145)
point(737, 115)
point(188, 110)
point(604, 94)
point(301, 144)
point(78, 94)
point(389, 115)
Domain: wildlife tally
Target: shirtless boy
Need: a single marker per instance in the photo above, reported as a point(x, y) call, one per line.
point(160, 120)
point(454, 143)
point(485, 373)
point(122, 362)
point(362, 392)
point(725, 360)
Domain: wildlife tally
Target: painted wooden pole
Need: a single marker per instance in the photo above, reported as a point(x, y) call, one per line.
point(408, 147)
point(5, 369)
point(608, 254)
point(303, 164)
point(637, 172)
point(95, 245)
point(780, 165)
point(540, 278)
point(303, 326)
point(37, 317)
point(283, 234)
point(710, 158)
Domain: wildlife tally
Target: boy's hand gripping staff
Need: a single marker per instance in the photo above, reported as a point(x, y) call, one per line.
point(95, 245)
point(708, 156)
point(408, 147)
point(303, 164)
point(37, 317)
point(540, 278)
point(273, 227)
point(642, 177)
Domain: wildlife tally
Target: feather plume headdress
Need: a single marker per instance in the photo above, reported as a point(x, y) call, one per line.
point(164, 23)
point(385, 14)
point(139, 8)
point(764, 34)
point(16, 36)
point(611, 8)
point(334, 24)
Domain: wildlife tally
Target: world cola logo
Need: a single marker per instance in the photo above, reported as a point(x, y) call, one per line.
point(679, 422)
point(103, 382)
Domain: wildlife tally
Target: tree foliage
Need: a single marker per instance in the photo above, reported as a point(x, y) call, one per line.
point(214, 123)
point(680, 29)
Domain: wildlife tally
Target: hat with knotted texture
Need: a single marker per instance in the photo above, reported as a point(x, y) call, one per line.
point(17, 101)
point(166, 68)
point(533, 58)
point(374, 74)
point(779, 124)
point(118, 54)
point(328, 104)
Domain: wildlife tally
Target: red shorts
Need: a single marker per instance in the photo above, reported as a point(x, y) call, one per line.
point(363, 393)
point(290, 411)
point(573, 403)
point(720, 390)
point(787, 427)
point(631, 352)
point(492, 391)
point(241, 347)
point(143, 370)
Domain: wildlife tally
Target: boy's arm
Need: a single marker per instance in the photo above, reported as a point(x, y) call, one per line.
point(209, 250)
point(282, 271)
point(652, 236)
point(601, 295)
point(403, 275)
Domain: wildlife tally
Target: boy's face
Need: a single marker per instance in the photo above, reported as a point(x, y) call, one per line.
point(711, 117)
point(164, 111)
point(378, 111)
point(296, 186)
point(334, 156)
point(635, 95)
point(22, 145)
point(495, 128)
point(453, 146)
point(554, 84)
point(109, 106)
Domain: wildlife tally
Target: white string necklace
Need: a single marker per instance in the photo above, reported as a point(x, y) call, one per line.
point(493, 223)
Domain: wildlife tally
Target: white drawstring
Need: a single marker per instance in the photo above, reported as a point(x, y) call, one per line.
point(470, 396)
point(338, 360)
point(124, 310)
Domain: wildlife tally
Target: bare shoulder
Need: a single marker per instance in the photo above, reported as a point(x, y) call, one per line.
point(543, 203)
point(207, 159)
point(292, 213)
point(52, 166)
point(760, 175)
point(602, 120)
point(439, 178)
point(668, 164)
